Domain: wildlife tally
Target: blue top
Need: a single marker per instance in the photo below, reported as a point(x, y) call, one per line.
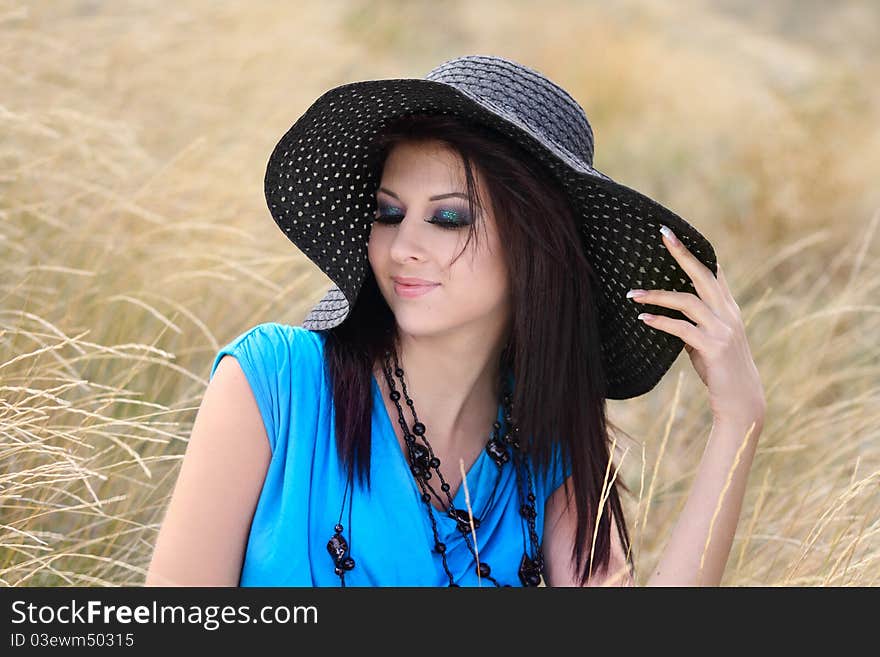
point(389, 536)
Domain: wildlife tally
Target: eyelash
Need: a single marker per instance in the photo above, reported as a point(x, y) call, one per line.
point(448, 225)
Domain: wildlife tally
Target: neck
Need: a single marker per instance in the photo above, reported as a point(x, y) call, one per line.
point(454, 385)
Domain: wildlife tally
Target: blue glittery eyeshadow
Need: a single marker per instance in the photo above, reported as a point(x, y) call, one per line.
point(445, 217)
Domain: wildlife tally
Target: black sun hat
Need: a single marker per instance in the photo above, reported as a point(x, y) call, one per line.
point(322, 176)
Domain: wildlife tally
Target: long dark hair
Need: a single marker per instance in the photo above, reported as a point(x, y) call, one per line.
point(553, 348)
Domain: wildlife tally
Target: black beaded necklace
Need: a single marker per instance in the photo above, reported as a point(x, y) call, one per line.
point(422, 460)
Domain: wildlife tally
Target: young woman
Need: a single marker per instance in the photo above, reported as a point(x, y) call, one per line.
point(439, 418)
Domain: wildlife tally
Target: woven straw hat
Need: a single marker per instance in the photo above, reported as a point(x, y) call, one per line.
point(322, 176)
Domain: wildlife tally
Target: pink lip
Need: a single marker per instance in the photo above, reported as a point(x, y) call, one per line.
point(410, 291)
point(407, 280)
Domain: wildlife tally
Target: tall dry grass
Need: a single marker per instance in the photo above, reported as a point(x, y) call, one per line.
point(134, 242)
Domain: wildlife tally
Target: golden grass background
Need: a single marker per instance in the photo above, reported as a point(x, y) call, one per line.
point(135, 242)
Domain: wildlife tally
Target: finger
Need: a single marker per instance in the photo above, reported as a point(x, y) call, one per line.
point(689, 333)
point(689, 304)
point(704, 280)
point(722, 282)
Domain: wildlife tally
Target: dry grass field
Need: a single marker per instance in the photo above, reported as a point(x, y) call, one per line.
point(135, 242)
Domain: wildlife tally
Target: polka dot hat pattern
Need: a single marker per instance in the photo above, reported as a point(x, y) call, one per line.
point(322, 175)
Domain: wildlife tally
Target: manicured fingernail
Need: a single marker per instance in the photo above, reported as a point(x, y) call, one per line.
point(646, 317)
point(635, 293)
point(669, 234)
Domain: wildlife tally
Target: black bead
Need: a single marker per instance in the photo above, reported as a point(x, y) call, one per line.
point(409, 402)
point(497, 425)
point(338, 529)
point(461, 517)
point(421, 455)
point(416, 470)
point(426, 497)
point(531, 497)
point(440, 547)
point(338, 570)
point(434, 462)
point(484, 569)
point(337, 547)
point(348, 563)
point(395, 396)
point(497, 451)
point(444, 487)
point(419, 429)
point(527, 511)
point(398, 372)
point(529, 572)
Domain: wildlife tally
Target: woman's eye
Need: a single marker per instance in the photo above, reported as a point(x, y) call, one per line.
point(445, 217)
point(450, 218)
point(385, 212)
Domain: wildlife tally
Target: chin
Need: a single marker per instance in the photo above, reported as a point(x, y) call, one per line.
point(420, 324)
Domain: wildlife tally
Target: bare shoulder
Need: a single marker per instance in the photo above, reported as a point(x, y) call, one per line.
point(560, 523)
point(204, 532)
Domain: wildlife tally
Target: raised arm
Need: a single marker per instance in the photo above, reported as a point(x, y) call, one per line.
point(716, 342)
point(204, 533)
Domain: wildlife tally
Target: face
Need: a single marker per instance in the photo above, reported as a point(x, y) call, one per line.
point(421, 226)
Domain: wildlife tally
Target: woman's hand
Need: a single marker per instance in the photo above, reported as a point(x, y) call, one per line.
point(717, 344)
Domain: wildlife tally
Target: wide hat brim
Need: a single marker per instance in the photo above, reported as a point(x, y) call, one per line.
point(320, 184)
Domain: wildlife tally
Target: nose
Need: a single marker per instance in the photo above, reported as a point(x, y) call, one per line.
point(409, 237)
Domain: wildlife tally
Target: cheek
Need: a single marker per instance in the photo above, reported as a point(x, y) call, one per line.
point(492, 263)
point(374, 248)
point(485, 278)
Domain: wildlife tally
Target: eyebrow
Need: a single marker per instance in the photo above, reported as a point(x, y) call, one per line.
point(433, 198)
